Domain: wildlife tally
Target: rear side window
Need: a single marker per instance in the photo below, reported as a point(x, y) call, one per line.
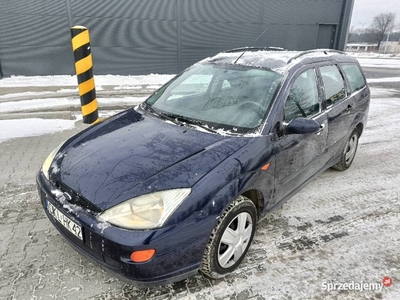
point(303, 100)
point(354, 76)
point(333, 84)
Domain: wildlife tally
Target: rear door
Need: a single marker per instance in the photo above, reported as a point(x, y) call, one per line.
point(299, 156)
point(340, 107)
point(357, 85)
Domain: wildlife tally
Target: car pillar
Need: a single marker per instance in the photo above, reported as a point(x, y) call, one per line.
point(84, 72)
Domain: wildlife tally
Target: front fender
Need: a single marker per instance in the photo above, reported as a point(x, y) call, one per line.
point(209, 195)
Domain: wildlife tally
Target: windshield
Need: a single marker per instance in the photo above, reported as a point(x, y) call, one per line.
point(221, 97)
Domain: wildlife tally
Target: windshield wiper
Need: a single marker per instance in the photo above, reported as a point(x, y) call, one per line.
point(177, 119)
point(193, 122)
point(160, 114)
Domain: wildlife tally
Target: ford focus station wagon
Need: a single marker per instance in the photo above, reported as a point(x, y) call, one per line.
point(177, 185)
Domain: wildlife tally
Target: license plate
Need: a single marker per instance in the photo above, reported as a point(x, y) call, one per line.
point(65, 221)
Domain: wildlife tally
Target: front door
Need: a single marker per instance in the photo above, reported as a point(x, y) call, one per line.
point(299, 156)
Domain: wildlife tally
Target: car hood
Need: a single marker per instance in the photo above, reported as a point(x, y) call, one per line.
point(108, 162)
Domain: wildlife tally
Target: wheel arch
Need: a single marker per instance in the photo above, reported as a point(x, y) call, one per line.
point(360, 128)
point(257, 198)
point(358, 123)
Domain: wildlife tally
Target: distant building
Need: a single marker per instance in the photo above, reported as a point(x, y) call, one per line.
point(362, 47)
point(389, 47)
point(160, 36)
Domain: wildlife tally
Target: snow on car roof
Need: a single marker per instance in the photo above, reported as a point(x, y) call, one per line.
point(262, 59)
point(278, 61)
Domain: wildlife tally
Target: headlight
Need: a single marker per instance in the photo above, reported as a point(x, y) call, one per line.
point(146, 211)
point(49, 160)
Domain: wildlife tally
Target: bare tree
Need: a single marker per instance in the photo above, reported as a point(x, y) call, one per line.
point(382, 25)
point(352, 36)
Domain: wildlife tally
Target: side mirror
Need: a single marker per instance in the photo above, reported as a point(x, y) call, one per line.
point(302, 126)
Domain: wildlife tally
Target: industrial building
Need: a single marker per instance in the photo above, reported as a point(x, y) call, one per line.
point(160, 36)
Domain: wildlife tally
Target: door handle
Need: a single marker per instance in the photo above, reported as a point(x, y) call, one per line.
point(321, 129)
point(349, 108)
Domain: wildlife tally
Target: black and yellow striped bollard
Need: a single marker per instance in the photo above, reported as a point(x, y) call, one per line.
point(84, 72)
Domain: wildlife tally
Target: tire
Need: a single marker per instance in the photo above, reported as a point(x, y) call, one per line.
point(229, 241)
point(349, 152)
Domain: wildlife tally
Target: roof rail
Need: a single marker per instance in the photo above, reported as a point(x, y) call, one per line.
point(325, 51)
point(255, 49)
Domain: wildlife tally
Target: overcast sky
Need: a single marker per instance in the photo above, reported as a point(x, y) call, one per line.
point(365, 10)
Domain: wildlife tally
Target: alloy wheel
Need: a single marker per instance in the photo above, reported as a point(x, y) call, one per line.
point(235, 239)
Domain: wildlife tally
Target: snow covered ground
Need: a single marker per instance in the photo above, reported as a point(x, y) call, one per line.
point(36, 94)
point(389, 63)
point(100, 80)
point(31, 127)
point(377, 60)
point(63, 103)
point(374, 55)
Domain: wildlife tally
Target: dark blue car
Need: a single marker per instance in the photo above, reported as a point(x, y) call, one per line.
point(178, 184)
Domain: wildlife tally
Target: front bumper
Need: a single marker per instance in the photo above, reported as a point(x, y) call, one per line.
point(179, 248)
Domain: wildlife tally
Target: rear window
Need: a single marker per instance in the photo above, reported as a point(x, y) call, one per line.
point(354, 76)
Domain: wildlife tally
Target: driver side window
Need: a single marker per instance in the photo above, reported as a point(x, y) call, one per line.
point(303, 100)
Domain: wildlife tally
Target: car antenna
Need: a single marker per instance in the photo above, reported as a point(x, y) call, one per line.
point(253, 43)
point(261, 35)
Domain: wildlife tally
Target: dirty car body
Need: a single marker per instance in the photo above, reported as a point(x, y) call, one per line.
point(223, 143)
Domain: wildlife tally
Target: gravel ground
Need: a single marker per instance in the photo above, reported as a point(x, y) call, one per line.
point(342, 228)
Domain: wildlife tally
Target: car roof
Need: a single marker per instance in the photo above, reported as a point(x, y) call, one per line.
point(276, 59)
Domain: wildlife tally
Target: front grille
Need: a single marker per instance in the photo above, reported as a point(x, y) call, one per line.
point(77, 199)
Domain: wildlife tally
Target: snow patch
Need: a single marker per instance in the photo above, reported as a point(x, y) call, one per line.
point(127, 87)
point(57, 193)
point(389, 79)
point(67, 206)
point(102, 225)
point(118, 101)
point(155, 87)
point(10, 129)
point(36, 95)
point(383, 63)
point(373, 55)
point(382, 92)
point(100, 80)
point(56, 169)
point(35, 104)
point(59, 103)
